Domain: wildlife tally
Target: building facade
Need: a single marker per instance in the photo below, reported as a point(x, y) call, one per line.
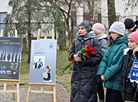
point(124, 9)
point(4, 10)
point(79, 12)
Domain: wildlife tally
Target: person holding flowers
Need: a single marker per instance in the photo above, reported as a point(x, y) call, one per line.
point(86, 54)
point(110, 66)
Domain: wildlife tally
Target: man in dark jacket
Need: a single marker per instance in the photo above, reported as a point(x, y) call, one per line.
point(130, 25)
point(83, 80)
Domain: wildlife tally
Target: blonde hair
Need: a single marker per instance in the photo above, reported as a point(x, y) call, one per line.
point(48, 67)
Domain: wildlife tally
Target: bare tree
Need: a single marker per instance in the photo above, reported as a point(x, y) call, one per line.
point(91, 8)
point(111, 12)
point(130, 4)
point(67, 17)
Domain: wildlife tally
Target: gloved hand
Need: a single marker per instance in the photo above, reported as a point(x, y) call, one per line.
point(134, 84)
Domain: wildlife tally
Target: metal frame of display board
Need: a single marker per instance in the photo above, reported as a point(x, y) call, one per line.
point(11, 80)
point(53, 86)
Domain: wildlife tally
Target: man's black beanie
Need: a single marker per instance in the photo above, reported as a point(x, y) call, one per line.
point(87, 25)
point(129, 23)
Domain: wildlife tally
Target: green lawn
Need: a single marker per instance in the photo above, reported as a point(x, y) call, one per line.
point(65, 79)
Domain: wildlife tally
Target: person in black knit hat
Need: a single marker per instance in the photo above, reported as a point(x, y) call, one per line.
point(131, 25)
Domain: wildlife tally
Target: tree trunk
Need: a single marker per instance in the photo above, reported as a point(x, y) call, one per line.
point(29, 33)
point(91, 9)
point(111, 12)
point(71, 33)
point(29, 44)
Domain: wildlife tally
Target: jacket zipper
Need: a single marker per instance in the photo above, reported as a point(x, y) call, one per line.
point(82, 43)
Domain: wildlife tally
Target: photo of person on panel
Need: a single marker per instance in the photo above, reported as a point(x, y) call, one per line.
point(46, 75)
point(39, 62)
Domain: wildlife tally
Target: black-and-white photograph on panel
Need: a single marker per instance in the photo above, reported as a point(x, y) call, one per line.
point(39, 62)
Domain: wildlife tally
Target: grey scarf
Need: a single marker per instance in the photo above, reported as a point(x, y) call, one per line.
point(89, 35)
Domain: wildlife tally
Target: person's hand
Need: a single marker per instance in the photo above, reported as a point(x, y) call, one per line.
point(102, 77)
point(76, 58)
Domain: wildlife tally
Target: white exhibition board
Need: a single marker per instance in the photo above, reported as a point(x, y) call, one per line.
point(43, 61)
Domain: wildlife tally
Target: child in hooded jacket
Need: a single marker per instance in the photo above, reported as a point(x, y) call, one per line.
point(128, 90)
point(111, 63)
point(99, 30)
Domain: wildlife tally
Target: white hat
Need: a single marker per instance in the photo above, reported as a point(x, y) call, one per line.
point(117, 27)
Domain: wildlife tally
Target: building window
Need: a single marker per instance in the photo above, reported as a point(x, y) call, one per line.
point(86, 16)
point(136, 18)
point(99, 17)
point(2, 23)
point(117, 17)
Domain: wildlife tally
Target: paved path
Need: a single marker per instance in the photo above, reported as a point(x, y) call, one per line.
point(61, 94)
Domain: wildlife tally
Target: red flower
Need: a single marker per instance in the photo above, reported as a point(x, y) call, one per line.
point(73, 61)
point(69, 62)
point(93, 52)
point(88, 47)
point(92, 48)
point(86, 54)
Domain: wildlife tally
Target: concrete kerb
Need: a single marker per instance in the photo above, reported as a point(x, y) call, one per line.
point(63, 88)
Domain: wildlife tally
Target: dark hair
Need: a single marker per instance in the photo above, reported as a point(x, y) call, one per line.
point(110, 40)
point(48, 67)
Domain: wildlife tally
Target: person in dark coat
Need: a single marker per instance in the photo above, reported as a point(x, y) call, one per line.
point(128, 90)
point(131, 25)
point(99, 29)
point(83, 80)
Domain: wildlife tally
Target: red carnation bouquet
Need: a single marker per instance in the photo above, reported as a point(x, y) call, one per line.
point(84, 53)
